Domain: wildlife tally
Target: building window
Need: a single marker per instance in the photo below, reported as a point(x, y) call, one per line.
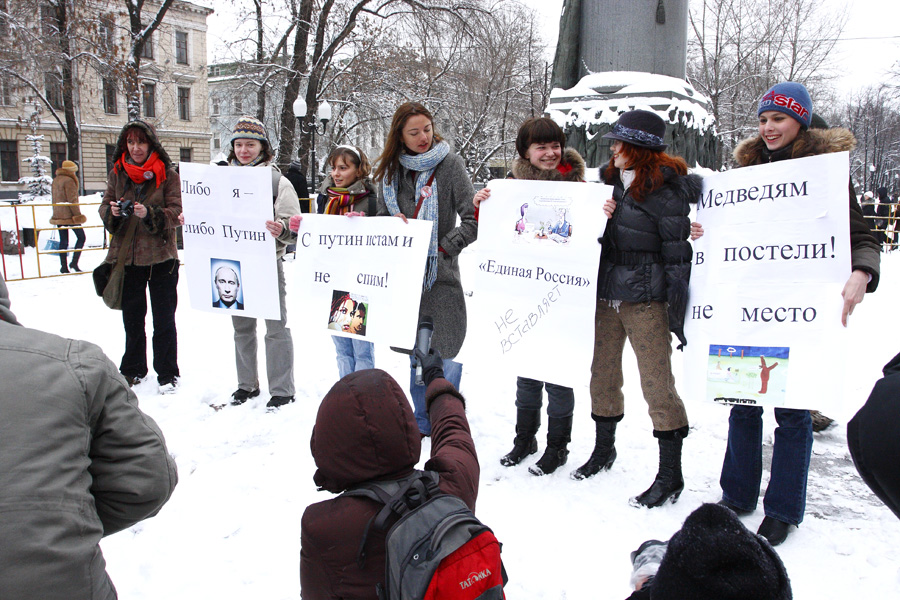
point(6, 97)
point(9, 160)
point(215, 71)
point(184, 103)
point(110, 106)
point(185, 154)
point(215, 105)
point(181, 47)
point(110, 153)
point(217, 143)
point(238, 105)
point(57, 155)
point(147, 50)
point(106, 32)
point(148, 99)
point(4, 17)
point(53, 90)
point(49, 21)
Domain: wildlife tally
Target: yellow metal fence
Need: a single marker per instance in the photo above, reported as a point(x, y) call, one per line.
point(18, 221)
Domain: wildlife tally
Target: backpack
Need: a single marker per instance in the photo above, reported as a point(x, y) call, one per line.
point(437, 549)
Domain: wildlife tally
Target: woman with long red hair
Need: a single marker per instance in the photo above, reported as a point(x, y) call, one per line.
point(642, 291)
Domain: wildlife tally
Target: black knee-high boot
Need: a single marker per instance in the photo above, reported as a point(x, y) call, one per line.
point(604, 454)
point(669, 482)
point(559, 433)
point(525, 443)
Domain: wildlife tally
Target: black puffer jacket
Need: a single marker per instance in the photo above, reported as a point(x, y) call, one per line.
point(646, 255)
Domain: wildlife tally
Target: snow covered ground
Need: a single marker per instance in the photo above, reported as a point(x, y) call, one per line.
point(232, 527)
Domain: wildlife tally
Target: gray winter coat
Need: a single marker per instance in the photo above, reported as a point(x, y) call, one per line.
point(444, 302)
point(78, 461)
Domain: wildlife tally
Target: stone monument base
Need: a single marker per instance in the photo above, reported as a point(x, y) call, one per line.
point(590, 109)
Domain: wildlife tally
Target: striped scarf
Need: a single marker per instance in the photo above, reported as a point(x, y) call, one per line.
point(342, 200)
point(424, 164)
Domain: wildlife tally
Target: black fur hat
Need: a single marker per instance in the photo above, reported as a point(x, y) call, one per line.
point(713, 556)
point(640, 128)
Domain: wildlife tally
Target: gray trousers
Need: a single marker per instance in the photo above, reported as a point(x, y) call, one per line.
point(279, 349)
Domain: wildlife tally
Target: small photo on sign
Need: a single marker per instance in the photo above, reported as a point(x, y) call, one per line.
point(543, 220)
point(226, 284)
point(748, 375)
point(349, 313)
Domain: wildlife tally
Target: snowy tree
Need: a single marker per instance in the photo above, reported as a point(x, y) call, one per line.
point(39, 182)
point(740, 48)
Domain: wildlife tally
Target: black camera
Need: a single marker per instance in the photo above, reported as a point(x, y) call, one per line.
point(423, 343)
point(126, 208)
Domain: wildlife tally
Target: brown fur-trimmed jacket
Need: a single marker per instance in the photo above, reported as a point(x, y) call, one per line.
point(865, 251)
point(65, 195)
point(154, 237)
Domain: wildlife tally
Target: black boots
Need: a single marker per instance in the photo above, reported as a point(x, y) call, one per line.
point(774, 531)
point(669, 482)
point(604, 454)
point(62, 261)
point(74, 264)
point(559, 433)
point(525, 443)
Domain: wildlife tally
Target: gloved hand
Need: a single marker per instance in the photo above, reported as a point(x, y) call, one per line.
point(679, 333)
point(432, 365)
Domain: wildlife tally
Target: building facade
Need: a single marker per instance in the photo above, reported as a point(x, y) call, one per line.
point(174, 92)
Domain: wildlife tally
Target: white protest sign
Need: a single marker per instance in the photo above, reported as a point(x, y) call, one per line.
point(764, 318)
point(536, 284)
point(361, 277)
point(228, 253)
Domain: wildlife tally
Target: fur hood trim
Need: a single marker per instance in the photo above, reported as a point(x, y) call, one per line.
point(67, 173)
point(811, 142)
point(522, 169)
point(688, 187)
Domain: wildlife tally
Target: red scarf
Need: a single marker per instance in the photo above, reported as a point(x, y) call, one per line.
point(563, 167)
point(139, 174)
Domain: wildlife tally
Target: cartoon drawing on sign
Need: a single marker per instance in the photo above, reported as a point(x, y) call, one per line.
point(746, 374)
point(543, 220)
point(349, 313)
point(226, 284)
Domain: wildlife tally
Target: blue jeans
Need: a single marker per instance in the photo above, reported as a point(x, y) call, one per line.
point(353, 355)
point(785, 497)
point(452, 373)
point(560, 399)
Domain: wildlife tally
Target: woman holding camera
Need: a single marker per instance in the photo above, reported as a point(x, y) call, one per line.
point(140, 209)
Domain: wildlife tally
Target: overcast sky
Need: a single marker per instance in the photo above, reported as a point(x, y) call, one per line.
point(861, 62)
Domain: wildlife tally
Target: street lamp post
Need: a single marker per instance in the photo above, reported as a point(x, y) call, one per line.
point(312, 127)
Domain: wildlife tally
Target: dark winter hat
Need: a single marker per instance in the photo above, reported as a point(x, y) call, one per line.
point(789, 98)
point(249, 128)
point(713, 556)
point(640, 128)
point(817, 122)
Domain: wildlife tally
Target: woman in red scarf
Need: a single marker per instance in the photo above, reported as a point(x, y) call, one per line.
point(140, 209)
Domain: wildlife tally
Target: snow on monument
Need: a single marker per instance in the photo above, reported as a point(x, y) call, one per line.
point(615, 56)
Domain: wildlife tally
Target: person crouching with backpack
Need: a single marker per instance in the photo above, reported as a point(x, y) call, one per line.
point(365, 432)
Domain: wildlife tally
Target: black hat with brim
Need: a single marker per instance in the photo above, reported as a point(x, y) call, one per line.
point(640, 128)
